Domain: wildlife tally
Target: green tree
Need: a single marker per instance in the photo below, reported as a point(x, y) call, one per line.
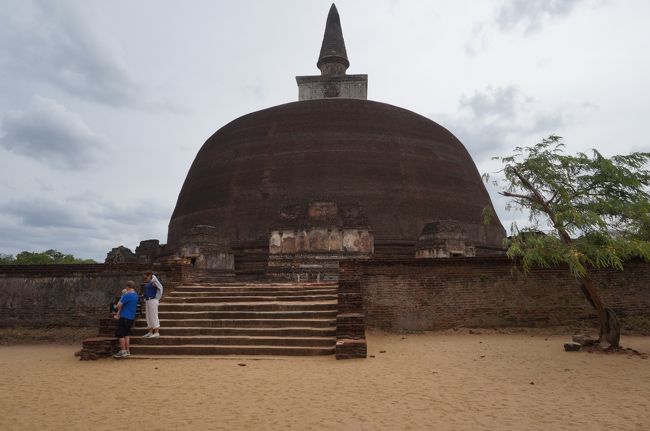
point(43, 258)
point(598, 209)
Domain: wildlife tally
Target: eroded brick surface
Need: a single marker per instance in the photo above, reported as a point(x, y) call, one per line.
point(415, 295)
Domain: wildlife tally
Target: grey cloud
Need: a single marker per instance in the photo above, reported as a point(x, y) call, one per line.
point(83, 225)
point(494, 102)
point(50, 42)
point(529, 15)
point(134, 214)
point(16, 238)
point(45, 214)
point(142, 213)
point(83, 243)
point(499, 117)
point(49, 132)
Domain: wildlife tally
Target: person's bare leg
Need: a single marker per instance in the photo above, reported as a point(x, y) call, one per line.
point(126, 343)
point(123, 343)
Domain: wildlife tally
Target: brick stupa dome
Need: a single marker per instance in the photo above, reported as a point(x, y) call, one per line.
point(396, 170)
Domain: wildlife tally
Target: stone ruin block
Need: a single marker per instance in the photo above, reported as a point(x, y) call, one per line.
point(205, 249)
point(358, 240)
point(119, 255)
point(148, 251)
point(444, 239)
point(308, 241)
point(288, 244)
point(318, 239)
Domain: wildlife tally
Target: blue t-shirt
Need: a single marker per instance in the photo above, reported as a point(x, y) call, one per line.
point(129, 304)
point(153, 289)
point(150, 290)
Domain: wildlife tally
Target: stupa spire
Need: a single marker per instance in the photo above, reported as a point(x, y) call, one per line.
point(333, 58)
point(333, 82)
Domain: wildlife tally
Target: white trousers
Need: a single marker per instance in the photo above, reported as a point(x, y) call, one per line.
point(151, 310)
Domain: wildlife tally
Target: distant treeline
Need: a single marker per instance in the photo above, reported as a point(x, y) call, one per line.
point(43, 258)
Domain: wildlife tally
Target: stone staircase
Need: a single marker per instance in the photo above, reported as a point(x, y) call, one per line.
point(237, 318)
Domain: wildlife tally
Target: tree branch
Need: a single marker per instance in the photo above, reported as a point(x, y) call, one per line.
point(538, 198)
point(515, 195)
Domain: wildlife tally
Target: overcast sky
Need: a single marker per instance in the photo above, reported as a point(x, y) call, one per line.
point(103, 105)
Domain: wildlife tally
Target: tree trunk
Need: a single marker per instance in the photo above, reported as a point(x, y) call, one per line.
point(610, 330)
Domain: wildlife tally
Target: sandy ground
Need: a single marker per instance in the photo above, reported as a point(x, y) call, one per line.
point(435, 380)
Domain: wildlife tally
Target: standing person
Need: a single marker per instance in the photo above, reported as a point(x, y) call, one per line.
point(152, 293)
point(125, 316)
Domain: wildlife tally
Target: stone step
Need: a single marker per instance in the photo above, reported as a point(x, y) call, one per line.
point(328, 331)
point(251, 289)
point(248, 306)
point(236, 317)
point(323, 322)
point(290, 284)
point(257, 298)
point(300, 314)
point(238, 292)
point(230, 350)
point(225, 340)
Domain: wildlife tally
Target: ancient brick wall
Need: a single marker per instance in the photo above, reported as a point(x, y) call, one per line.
point(66, 295)
point(413, 295)
point(350, 320)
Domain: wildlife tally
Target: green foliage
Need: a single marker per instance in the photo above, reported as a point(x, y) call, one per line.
point(598, 207)
point(546, 251)
point(43, 258)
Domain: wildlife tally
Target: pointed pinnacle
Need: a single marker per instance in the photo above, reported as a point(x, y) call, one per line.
point(333, 47)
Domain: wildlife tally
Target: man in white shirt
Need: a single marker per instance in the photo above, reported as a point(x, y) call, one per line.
point(153, 290)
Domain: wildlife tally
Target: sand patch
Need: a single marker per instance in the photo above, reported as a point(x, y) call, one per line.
point(425, 381)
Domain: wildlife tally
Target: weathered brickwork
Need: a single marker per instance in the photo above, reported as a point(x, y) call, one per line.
point(66, 295)
point(322, 87)
point(415, 295)
point(97, 348)
point(350, 320)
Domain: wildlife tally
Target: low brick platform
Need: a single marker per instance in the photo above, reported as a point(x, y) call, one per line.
point(351, 349)
point(350, 321)
point(98, 347)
